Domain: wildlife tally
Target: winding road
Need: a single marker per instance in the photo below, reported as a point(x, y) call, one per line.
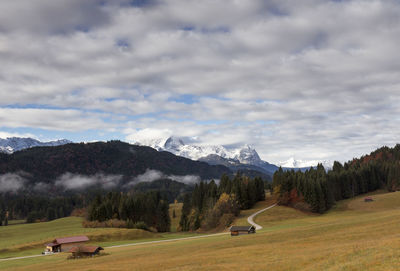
point(249, 220)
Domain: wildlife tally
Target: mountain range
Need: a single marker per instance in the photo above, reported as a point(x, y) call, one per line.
point(13, 144)
point(243, 158)
point(303, 164)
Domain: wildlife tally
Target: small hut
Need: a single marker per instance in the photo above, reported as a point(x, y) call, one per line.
point(368, 199)
point(65, 244)
point(85, 251)
point(237, 230)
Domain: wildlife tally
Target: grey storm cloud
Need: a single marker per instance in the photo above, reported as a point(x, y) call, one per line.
point(314, 79)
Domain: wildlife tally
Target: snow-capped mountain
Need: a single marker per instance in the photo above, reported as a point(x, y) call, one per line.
point(293, 163)
point(13, 144)
point(245, 155)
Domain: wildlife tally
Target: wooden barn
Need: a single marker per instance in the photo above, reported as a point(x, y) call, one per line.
point(66, 243)
point(85, 251)
point(237, 230)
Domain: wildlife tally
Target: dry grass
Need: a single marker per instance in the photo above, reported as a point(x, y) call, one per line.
point(353, 239)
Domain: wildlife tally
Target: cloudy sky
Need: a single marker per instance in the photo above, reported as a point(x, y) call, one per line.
point(313, 79)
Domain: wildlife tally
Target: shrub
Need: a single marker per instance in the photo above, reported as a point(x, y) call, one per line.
point(140, 225)
point(112, 223)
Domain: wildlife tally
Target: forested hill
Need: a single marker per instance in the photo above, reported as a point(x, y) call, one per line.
point(45, 164)
point(386, 160)
point(317, 190)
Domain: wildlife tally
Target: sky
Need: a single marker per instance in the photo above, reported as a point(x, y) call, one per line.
point(310, 79)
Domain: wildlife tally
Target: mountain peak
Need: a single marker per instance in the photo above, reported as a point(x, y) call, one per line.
point(248, 155)
point(173, 143)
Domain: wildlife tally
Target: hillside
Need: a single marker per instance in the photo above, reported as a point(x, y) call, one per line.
point(349, 237)
point(317, 190)
point(46, 164)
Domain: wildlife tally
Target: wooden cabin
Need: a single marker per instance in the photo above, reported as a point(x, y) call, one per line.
point(66, 243)
point(237, 230)
point(85, 251)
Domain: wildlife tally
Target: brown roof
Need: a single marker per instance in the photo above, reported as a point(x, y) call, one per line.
point(88, 249)
point(241, 228)
point(73, 239)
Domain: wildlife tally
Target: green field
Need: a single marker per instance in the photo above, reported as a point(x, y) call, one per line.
point(355, 235)
point(29, 239)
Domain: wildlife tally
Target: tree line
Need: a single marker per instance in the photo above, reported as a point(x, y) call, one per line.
point(317, 190)
point(211, 205)
point(33, 208)
point(149, 210)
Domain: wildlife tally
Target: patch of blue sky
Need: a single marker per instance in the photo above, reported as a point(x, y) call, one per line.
point(188, 28)
point(276, 11)
point(33, 106)
point(82, 28)
point(185, 98)
point(141, 3)
point(122, 43)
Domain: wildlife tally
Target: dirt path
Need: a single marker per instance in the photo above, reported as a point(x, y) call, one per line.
point(249, 219)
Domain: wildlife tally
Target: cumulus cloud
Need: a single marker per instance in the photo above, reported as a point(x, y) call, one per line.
point(144, 135)
point(4, 135)
point(69, 181)
point(151, 175)
point(313, 79)
point(11, 182)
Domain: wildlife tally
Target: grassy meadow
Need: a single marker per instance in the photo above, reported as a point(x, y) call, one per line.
point(29, 239)
point(355, 235)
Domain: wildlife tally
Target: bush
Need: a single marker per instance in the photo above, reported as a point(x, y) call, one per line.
point(112, 223)
point(140, 225)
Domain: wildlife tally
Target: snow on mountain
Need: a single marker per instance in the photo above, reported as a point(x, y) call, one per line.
point(248, 155)
point(13, 144)
point(244, 155)
point(293, 163)
point(178, 147)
